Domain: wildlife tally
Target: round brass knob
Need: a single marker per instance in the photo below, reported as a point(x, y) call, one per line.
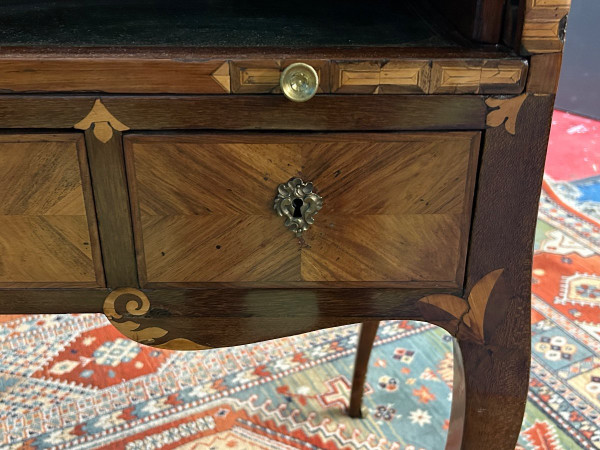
point(299, 82)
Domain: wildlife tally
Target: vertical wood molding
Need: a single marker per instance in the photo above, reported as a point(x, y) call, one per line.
point(90, 208)
point(496, 372)
point(544, 73)
point(107, 168)
point(544, 25)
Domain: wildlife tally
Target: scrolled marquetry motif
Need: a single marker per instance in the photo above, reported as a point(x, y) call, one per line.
point(133, 302)
point(505, 111)
point(102, 120)
point(459, 316)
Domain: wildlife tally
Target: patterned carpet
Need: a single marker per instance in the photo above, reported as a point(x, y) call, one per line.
point(71, 381)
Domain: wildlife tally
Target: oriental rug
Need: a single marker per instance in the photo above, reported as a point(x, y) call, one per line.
point(72, 381)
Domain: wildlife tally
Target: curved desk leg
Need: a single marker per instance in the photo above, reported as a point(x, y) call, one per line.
point(494, 334)
point(488, 398)
point(368, 331)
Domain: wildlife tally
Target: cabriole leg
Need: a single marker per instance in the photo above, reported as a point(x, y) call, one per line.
point(368, 331)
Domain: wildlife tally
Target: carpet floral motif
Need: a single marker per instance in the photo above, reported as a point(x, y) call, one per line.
point(72, 381)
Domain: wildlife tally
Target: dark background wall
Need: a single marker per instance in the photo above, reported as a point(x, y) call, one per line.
point(579, 88)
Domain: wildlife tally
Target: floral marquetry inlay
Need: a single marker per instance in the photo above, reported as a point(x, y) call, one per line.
point(103, 122)
point(505, 111)
point(456, 312)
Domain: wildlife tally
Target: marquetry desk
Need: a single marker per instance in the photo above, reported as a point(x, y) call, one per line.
point(217, 173)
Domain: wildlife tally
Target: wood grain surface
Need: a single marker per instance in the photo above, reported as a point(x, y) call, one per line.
point(544, 26)
point(437, 76)
point(203, 208)
point(496, 371)
point(111, 75)
point(252, 112)
point(261, 76)
point(378, 77)
point(544, 73)
point(161, 75)
point(478, 77)
point(368, 333)
point(226, 317)
point(477, 20)
point(112, 208)
point(48, 235)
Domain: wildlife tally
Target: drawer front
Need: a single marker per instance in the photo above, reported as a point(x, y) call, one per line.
point(48, 234)
point(396, 208)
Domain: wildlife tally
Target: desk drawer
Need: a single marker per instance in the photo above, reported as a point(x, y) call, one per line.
point(396, 208)
point(48, 235)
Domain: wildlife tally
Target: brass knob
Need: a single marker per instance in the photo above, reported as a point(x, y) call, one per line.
point(299, 82)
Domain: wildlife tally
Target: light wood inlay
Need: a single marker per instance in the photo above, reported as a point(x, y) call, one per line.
point(256, 78)
point(372, 77)
point(397, 77)
point(477, 76)
point(469, 314)
point(48, 235)
point(101, 121)
point(134, 304)
point(262, 76)
point(221, 76)
point(505, 112)
point(203, 208)
point(181, 344)
point(437, 76)
point(544, 25)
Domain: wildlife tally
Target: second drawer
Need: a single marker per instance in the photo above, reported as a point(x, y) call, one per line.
point(396, 208)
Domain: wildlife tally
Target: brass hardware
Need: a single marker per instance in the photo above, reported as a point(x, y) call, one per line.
point(299, 82)
point(298, 203)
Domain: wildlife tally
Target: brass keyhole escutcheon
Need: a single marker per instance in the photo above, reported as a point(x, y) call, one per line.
point(297, 202)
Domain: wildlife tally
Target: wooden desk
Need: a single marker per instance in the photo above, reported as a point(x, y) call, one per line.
point(147, 149)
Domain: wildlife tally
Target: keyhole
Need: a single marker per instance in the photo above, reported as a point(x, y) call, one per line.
point(297, 204)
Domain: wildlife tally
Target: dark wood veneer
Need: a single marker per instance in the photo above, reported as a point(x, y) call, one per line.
point(250, 112)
